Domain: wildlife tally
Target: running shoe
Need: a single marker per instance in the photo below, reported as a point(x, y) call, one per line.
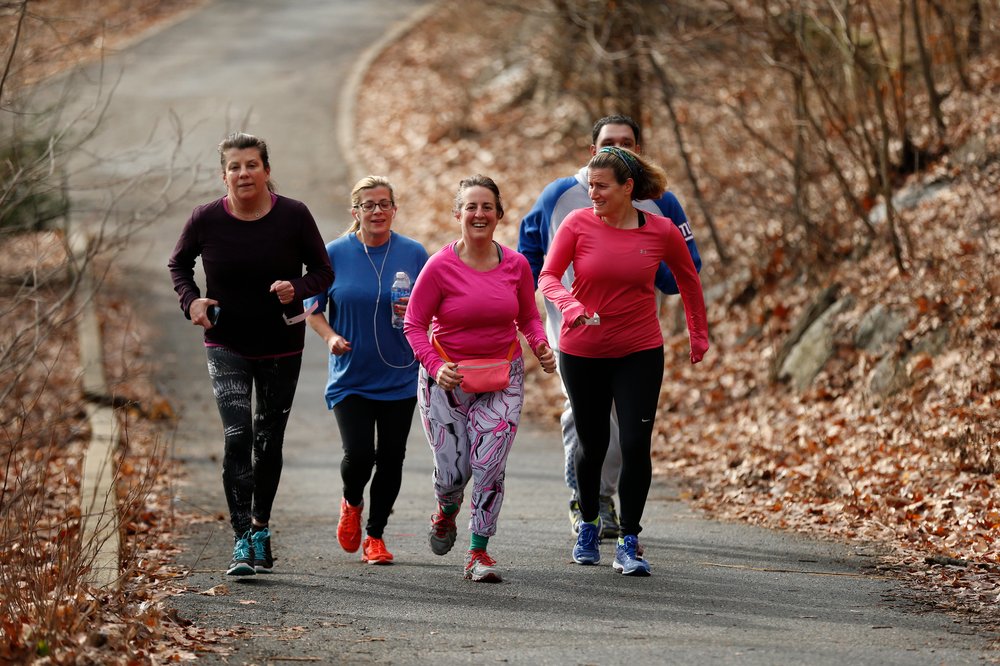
point(628, 561)
point(261, 542)
point(609, 518)
point(586, 550)
point(242, 563)
point(443, 531)
point(481, 568)
point(373, 552)
point(575, 517)
point(349, 527)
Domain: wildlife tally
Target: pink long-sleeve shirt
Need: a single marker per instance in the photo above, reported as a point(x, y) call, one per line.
point(472, 314)
point(613, 276)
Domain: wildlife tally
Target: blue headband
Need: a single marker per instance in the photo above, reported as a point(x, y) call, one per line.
point(632, 164)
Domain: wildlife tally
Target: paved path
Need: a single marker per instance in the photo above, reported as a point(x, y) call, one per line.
point(720, 593)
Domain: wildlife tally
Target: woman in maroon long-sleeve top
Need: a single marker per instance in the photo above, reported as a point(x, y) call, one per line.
point(253, 244)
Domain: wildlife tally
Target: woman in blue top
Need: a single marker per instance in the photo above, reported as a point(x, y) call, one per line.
point(372, 385)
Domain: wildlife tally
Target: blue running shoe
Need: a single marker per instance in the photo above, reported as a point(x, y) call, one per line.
point(242, 562)
point(586, 550)
point(627, 561)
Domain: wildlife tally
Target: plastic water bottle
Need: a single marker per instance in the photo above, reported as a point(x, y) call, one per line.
point(400, 289)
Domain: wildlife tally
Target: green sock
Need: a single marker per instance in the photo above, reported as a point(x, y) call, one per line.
point(621, 541)
point(449, 509)
point(478, 542)
point(596, 522)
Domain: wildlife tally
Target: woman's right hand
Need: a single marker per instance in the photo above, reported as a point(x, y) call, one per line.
point(338, 345)
point(581, 320)
point(199, 312)
point(448, 376)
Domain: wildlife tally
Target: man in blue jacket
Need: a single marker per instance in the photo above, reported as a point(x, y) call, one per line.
point(537, 230)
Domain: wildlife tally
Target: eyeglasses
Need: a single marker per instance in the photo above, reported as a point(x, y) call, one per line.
point(369, 206)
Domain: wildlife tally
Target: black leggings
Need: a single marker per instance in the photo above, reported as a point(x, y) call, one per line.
point(632, 384)
point(358, 418)
point(251, 466)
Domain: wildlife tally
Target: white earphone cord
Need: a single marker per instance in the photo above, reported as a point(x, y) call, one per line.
point(378, 299)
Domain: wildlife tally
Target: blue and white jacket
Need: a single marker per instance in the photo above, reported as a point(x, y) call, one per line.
point(556, 201)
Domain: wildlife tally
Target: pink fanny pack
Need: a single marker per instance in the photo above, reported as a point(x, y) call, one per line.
point(482, 375)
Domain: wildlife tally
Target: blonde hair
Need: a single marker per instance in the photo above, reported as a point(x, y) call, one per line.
point(367, 183)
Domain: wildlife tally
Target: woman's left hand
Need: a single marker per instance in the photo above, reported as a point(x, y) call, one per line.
point(284, 290)
point(546, 357)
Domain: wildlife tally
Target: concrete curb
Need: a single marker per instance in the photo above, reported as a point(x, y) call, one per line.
point(346, 118)
point(99, 524)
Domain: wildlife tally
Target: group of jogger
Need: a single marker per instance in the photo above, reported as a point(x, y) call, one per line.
point(597, 244)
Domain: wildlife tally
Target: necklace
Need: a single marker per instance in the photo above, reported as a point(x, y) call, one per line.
point(236, 211)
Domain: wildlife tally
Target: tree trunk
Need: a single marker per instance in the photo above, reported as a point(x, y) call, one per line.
point(925, 65)
point(667, 89)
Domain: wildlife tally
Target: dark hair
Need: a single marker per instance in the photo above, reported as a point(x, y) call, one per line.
point(478, 180)
point(617, 119)
point(240, 141)
point(650, 181)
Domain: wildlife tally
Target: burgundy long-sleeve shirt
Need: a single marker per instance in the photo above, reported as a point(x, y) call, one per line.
point(241, 260)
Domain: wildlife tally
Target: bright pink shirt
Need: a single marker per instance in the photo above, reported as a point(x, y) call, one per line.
point(614, 271)
point(473, 314)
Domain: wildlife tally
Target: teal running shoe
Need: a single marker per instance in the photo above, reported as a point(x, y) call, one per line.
point(261, 542)
point(242, 562)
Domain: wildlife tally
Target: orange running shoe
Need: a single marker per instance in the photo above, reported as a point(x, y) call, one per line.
point(349, 527)
point(373, 552)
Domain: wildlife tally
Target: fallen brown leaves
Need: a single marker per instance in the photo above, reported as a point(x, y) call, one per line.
point(49, 609)
point(912, 476)
point(58, 34)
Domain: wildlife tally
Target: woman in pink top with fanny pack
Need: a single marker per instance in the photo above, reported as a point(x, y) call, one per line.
point(611, 346)
point(474, 295)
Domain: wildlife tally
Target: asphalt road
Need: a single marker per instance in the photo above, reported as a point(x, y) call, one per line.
point(719, 593)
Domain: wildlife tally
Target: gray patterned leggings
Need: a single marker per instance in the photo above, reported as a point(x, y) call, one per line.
point(251, 465)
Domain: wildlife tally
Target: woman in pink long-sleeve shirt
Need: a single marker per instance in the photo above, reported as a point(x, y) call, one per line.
point(474, 295)
point(611, 347)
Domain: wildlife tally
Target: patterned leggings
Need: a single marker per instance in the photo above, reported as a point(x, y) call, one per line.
point(251, 465)
point(471, 436)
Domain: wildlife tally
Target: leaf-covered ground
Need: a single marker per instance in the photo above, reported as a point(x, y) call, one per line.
point(914, 476)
